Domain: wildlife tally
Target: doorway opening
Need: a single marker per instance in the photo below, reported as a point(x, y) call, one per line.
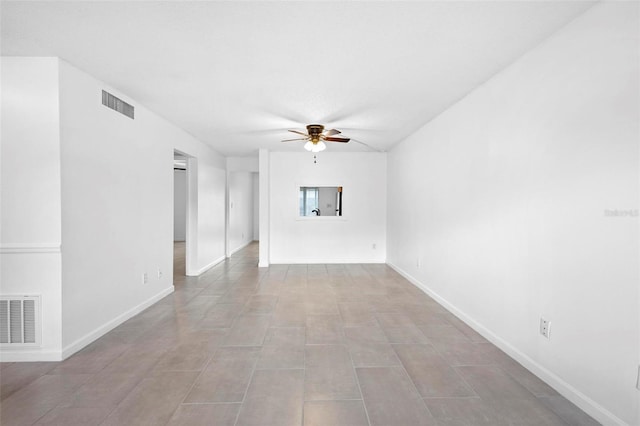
point(180, 212)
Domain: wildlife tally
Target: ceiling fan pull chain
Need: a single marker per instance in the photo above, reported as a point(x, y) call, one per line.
point(314, 159)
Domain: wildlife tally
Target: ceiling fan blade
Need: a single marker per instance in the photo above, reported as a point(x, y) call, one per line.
point(298, 139)
point(332, 132)
point(299, 132)
point(330, 139)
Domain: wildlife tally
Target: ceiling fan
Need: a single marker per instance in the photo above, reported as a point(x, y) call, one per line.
point(316, 137)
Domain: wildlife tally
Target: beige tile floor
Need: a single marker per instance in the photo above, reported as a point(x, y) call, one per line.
point(288, 345)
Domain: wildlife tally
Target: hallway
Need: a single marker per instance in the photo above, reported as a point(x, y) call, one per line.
point(286, 345)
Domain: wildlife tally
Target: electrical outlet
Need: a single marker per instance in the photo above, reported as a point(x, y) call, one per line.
point(243, 236)
point(418, 262)
point(373, 246)
point(545, 328)
point(145, 278)
point(159, 274)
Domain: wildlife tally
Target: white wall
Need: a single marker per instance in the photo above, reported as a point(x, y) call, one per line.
point(117, 204)
point(240, 210)
point(327, 200)
point(209, 203)
point(242, 164)
point(30, 193)
point(502, 199)
point(179, 205)
point(264, 199)
point(328, 239)
point(255, 177)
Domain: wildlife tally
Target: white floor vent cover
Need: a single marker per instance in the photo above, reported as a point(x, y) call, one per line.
point(19, 320)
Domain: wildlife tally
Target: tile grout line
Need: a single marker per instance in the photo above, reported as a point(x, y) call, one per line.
point(414, 385)
point(408, 376)
point(304, 374)
point(244, 396)
point(253, 371)
point(364, 404)
point(201, 373)
point(355, 373)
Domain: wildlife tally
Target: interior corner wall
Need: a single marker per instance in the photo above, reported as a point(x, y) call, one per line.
point(240, 210)
point(30, 260)
point(521, 202)
point(346, 239)
point(117, 208)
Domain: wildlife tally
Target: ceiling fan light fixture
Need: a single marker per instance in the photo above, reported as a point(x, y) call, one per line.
point(320, 146)
point(315, 146)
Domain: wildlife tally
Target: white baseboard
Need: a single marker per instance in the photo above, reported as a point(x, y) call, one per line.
point(28, 248)
point(585, 403)
point(18, 355)
point(211, 265)
point(105, 328)
point(234, 251)
point(325, 261)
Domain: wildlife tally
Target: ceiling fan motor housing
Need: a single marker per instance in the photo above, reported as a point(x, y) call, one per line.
point(315, 130)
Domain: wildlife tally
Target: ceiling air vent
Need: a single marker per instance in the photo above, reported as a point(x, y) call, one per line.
point(117, 104)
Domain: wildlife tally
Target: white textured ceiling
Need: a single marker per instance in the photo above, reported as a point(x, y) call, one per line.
point(238, 74)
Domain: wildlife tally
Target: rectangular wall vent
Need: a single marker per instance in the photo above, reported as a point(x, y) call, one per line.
point(19, 320)
point(117, 104)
